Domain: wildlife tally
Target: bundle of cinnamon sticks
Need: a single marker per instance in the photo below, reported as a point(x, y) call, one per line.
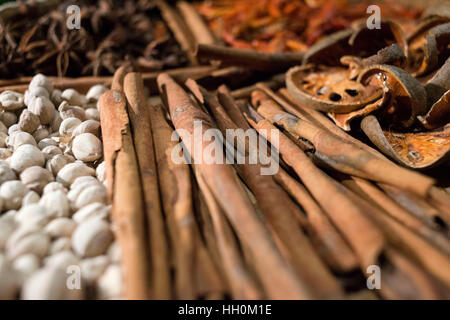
point(317, 228)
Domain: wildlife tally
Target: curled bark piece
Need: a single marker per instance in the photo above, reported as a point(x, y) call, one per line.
point(367, 41)
point(143, 142)
point(347, 158)
point(414, 150)
point(329, 89)
point(439, 113)
point(438, 84)
point(175, 185)
point(330, 49)
point(223, 183)
point(124, 192)
point(408, 96)
point(201, 32)
point(426, 48)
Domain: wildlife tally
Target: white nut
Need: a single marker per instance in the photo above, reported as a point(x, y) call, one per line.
point(6, 174)
point(68, 126)
point(92, 268)
point(100, 171)
point(19, 138)
point(55, 164)
point(51, 151)
point(36, 178)
point(11, 100)
point(60, 227)
point(55, 96)
point(12, 193)
point(57, 203)
point(85, 181)
point(50, 283)
point(92, 211)
point(110, 283)
point(74, 97)
point(25, 265)
point(88, 126)
point(33, 215)
point(61, 260)
point(28, 121)
point(37, 243)
point(43, 108)
point(72, 171)
point(30, 197)
point(60, 244)
point(41, 80)
point(91, 238)
point(92, 114)
point(67, 111)
point(87, 147)
point(90, 195)
point(26, 156)
point(78, 186)
point(54, 186)
point(40, 133)
point(13, 128)
point(9, 118)
point(95, 92)
point(47, 142)
point(33, 93)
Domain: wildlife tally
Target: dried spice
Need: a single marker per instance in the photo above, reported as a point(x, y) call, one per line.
point(287, 25)
point(112, 33)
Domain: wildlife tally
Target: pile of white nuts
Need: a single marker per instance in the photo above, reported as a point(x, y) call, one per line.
point(56, 237)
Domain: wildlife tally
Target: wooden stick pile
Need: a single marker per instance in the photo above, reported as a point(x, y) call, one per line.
point(335, 208)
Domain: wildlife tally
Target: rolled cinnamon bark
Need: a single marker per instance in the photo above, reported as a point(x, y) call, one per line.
point(143, 142)
point(278, 279)
point(125, 193)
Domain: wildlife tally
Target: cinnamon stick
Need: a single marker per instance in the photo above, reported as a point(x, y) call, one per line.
point(176, 195)
point(272, 201)
point(250, 59)
point(330, 244)
point(125, 193)
point(201, 32)
point(346, 157)
point(179, 29)
point(143, 142)
point(364, 237)
point(277, 278)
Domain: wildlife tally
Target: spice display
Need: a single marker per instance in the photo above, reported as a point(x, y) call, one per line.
point(225, 149)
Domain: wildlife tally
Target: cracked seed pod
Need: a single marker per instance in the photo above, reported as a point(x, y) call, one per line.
point(407, 95)
point(11, 100)
point(67, 111)
point(428, 46)
point(329, 89)
point(35, 178)
point(414, 150)
point(43, 108)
